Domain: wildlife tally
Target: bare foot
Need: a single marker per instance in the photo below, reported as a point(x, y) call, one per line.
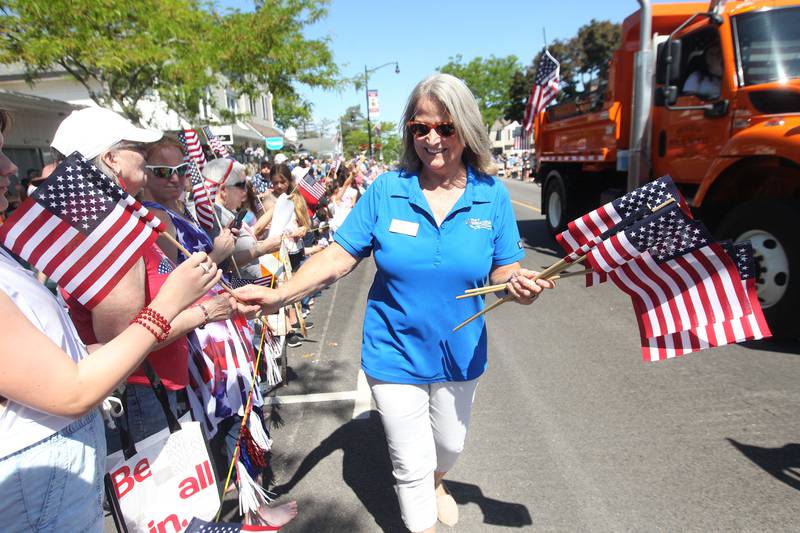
point(278, 515)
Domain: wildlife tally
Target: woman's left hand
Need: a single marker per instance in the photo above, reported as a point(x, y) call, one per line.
point(522, 287)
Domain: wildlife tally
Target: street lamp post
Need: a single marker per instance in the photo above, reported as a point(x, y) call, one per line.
point(367, 71)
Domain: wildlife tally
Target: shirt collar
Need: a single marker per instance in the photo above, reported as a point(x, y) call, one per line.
point(475, 192)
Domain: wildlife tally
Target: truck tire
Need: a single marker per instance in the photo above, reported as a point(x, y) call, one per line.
point(555, 201)
point(771, 226)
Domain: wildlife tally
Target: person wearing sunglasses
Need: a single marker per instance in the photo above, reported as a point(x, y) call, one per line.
point(167, 174)
point(438, 226)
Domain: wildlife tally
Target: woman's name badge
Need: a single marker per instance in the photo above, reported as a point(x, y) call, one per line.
point(403, 226)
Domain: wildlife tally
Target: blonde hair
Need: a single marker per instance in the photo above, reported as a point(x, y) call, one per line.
point(459, 103)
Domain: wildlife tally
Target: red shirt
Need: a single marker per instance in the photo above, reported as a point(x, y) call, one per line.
point(171, 362)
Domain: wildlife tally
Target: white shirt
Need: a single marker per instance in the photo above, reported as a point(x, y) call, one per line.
point(21, 426)
point(702, 85)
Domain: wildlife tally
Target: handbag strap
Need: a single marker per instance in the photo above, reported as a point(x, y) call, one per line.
point(128, 444)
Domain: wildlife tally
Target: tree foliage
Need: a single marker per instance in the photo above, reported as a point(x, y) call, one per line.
point(583, 64)
point(355, 140)
point(489, 80)
point(123, 51)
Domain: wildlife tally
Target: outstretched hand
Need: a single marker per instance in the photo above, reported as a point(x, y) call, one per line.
point(524, 289)
point(252, 300)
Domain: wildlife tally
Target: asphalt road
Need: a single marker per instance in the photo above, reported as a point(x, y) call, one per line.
point(571, 431)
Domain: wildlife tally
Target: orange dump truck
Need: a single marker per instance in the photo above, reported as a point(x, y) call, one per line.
point(709, 94)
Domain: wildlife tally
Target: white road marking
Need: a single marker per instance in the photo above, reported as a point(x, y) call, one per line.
point(312, 398)
point(363, 404)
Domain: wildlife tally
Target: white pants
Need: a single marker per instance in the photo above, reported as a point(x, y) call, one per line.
point(425, 428)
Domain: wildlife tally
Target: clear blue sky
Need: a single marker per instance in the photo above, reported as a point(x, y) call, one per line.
point(422, 34)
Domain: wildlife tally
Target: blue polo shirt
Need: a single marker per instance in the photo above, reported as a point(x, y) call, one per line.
point(411, 309)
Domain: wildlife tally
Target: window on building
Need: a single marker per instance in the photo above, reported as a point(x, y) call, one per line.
point(499, 135)
point(265, 106)
point(232, 102)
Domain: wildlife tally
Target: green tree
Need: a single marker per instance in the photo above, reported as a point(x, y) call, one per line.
point(123, 51)
point(489, 80)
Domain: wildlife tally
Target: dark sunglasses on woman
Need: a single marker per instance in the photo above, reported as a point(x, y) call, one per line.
point(165, 172)
point(421, 129)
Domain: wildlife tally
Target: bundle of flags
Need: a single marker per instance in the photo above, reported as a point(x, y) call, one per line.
point(203, 191)
point(81, 229)
point(688, 291)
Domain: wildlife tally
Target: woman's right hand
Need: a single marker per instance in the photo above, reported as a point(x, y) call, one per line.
point(253, 298)
point(187, 283)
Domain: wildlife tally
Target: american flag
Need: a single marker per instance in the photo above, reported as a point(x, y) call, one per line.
point(545, 88)
point(81, 229)
point(260, 184)
point(676, 275)
point(312, 186)
point(201, 526)
point(219, 149)
point(236, 282)
point(203, 191)
point(751, 326)
point(620, 212)
point(191, 142)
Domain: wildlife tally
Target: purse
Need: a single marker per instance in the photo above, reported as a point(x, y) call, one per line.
point(164, 481)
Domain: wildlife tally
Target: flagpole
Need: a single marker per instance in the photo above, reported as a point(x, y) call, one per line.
point(219, 224)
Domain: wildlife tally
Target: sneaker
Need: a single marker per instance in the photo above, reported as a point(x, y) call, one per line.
point(293, 340)
point(308, 323)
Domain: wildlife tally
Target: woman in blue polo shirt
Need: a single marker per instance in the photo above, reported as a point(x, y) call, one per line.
point(440, 225)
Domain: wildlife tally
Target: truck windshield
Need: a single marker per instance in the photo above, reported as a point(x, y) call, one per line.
point(768, 45)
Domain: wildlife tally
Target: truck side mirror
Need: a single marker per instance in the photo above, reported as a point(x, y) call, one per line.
point(668, 62)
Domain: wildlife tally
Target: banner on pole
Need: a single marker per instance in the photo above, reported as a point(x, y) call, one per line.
point(374, 108)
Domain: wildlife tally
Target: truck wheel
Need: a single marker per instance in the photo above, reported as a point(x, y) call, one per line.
point(554, 202)
point(771, 227)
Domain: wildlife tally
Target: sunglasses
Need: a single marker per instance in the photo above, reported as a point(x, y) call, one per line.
point(165, 172)
point(421, 129)
point(241, 185)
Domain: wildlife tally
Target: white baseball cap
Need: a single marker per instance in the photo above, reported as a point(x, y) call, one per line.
point(93, 130)
point(279, 158)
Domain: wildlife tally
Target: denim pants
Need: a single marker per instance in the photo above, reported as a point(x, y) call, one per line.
point(57, 483)
point(144, 416)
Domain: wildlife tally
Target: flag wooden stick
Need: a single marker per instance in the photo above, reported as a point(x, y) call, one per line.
point(480, 291)
point(298, 308)
point(552, 270)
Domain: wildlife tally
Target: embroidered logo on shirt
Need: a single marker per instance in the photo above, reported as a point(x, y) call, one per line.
point(476, 223)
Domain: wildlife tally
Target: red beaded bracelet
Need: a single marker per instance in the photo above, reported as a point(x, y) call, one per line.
point(160, 337)
point(155, 317)
point(148, 316)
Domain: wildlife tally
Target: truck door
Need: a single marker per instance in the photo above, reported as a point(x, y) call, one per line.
point(686, 142)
